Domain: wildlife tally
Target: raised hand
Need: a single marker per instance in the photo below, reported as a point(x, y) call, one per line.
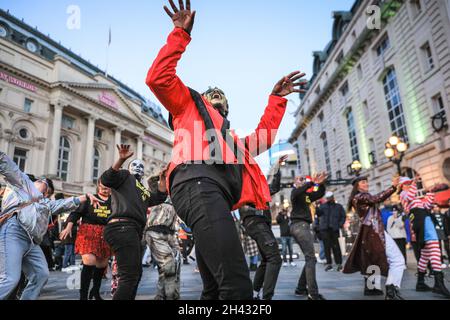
point(124, 152)
point(94, 201)
point(162, 186)
point(395, 180)
point(183, 17)
point(282, 159)
point(321, 178)
point(288, 84)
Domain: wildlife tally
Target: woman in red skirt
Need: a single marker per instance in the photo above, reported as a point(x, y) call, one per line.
point(90, 244)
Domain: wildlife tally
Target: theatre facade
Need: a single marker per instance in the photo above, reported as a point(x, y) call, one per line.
point(61, 117)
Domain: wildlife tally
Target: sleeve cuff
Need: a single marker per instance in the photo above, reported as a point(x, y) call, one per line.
point(278, 100)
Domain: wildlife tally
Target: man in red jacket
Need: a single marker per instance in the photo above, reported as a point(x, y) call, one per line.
point(213, 171)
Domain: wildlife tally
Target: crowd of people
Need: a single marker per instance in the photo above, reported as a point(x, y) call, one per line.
point(212, 195)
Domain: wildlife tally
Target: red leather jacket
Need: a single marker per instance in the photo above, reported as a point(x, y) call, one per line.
point(177, 99)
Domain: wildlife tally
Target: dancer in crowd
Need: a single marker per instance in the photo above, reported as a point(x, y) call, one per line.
point(306, 191)
point(23, 224)
point(331, 221)
point(395, 226)
point(94, 250)
point(373, 245)
point(124, 231)
point(424, 231)
point(284, 221)
point(206, 186)
point(161, 237)
point(258, 225)
point(441, 229)
point(187, 243)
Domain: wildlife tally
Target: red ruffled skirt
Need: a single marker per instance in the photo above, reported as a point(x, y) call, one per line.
point(90, 241)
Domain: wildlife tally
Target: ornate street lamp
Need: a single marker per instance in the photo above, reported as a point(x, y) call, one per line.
point(395, 151)
point(354, 168)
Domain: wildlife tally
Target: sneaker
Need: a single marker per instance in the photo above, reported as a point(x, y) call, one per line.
point(301, 292)
point(339, 268)
point(321, 261)
point(196, 270)
point(316, 297)
point(285, 264)
point(292, 264)
point(328, 268)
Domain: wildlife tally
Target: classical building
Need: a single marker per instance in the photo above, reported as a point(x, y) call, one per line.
point(371, 83)
point(60, 116)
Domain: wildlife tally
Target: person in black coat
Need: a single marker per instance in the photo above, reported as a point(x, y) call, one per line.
point(331, 220)
point(286, 239)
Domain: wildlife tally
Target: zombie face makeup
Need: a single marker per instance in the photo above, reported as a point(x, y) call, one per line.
point(136, 168)
point(217, 98)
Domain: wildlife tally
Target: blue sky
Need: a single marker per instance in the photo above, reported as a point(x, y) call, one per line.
point(243, 47)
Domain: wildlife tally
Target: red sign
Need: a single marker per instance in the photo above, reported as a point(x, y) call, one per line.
point(108, 99)
point(17, 82)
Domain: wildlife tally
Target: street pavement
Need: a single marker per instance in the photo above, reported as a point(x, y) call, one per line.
point(333, 285)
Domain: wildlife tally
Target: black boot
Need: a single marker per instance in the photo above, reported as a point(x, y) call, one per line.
point(392, 293)
point(371, 292)
point(421, 286)
point(97, 279)
point(86, 276)
point(439, 285)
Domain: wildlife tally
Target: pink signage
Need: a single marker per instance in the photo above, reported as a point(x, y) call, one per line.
point(108, 99)
point(150, 140)
point(17, 82)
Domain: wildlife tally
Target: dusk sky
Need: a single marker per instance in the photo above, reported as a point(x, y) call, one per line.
point(243, 47)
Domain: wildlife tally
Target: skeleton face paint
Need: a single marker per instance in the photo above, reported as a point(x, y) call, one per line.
point(217, 98)
point(136, 168)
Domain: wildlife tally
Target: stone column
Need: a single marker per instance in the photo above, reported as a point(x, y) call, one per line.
point(89, 150)
point(139, 150)
point(56, 136)
point(117, 141)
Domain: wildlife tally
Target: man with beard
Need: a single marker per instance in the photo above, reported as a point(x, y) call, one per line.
point(129, 203)
point(206, 186)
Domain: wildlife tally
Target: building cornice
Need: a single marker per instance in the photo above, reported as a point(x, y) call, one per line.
point(388, 10)
point(17, 72)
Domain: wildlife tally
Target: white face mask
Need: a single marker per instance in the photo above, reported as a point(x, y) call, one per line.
point(136, 168)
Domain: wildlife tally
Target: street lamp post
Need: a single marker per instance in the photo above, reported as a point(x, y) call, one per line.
point(355, 168)
point(395, 151)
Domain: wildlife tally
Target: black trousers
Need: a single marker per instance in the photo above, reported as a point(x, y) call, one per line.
point(124, 239)
point(266, 275)
point(204, 207)
point(187, 246)
point(401, 243)
point(330, 240)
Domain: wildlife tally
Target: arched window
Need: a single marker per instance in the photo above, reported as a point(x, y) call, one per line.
point(394, 105)
point(63, 158)
point(352, 135)
point(96, 166)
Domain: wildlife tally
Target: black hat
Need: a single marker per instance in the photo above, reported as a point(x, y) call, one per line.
point(358, 179)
